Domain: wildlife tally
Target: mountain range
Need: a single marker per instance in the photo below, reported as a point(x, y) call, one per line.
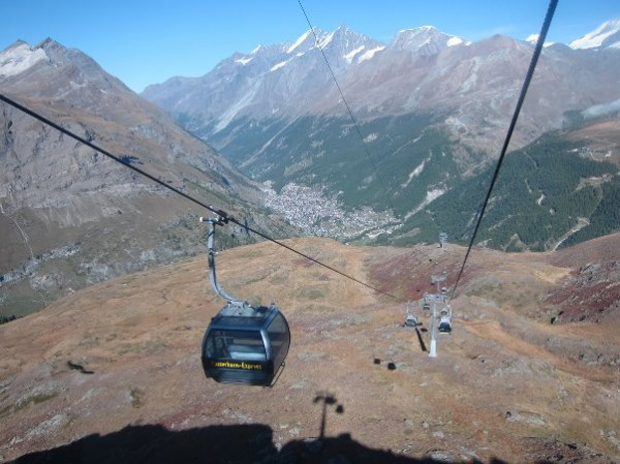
point(432, 109)
point(422, 69)
point(430, 106)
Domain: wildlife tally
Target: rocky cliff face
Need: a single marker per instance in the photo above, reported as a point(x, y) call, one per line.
point(70, 216)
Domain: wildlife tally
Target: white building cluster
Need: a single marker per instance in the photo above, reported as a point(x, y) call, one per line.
point(320, 215)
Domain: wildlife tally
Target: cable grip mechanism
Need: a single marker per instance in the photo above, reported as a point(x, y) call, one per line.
point(217, 221)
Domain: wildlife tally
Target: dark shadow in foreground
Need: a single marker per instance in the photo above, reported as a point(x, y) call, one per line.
point(231, 444)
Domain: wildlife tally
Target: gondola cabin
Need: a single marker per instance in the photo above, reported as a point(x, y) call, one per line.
point(243, 344)
point(246, 345)
point(445, 321)
point(411, 321)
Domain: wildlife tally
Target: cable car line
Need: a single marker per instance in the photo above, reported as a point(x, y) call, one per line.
point(357, 129)
point(223, 215)
point(526, 83)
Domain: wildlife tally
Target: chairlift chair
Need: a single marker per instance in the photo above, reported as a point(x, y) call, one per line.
point(243, 344)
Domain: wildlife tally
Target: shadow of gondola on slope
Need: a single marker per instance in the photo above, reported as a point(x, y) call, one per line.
point(238, 444)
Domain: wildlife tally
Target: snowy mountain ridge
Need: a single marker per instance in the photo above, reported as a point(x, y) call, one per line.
point(283, 81)
point(533, 38)
point(607, 35)
point(19, 57)
point(426, 40)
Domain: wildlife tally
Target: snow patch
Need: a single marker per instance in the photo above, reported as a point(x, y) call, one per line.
point(349, 56)
point(256, 50)
point(371, 137)
point(533, 39)
point(244, 61)
point(326, 40)
point(18, 59)
point(299, 41)
point(415, 173)
point(416, 29)
point(279, 65)
point(370, 53)
point(453, 41)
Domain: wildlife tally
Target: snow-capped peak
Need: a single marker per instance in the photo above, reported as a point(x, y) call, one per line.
point(533, 39)
point(607, 35)
point(419, 29)
point(19, 57)
point(256, 50)
point(427, 40)
point(348, 43)
point(307, 40)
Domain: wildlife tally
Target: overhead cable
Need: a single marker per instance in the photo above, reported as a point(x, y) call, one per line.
point(344, 100)
point(528, 78)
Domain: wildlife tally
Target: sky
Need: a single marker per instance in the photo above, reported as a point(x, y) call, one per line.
point(147, 42)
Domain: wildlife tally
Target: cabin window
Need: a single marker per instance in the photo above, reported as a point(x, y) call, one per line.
point(240, 345)
point(279, 336)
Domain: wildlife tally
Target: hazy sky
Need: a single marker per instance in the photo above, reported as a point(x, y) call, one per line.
point(146, 42)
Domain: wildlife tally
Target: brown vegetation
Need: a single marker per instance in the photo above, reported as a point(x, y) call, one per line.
point(507, 384)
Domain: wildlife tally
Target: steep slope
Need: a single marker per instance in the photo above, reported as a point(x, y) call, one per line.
point(607, 35)
point(70, 217)
point(112, 373)
point(560, 190)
